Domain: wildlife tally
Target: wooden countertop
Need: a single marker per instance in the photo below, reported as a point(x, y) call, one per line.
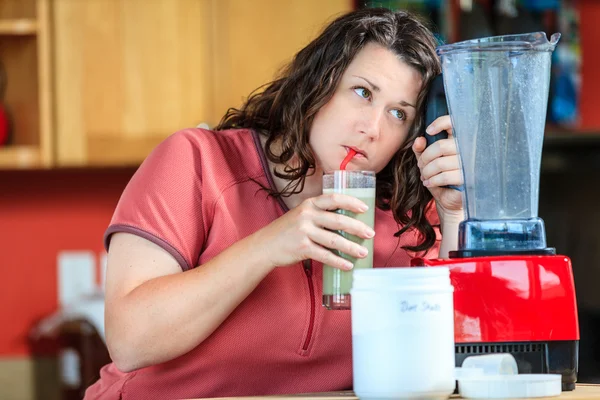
point(582, 392)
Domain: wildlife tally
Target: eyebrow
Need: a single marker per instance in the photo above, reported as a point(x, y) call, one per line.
point(378, 89)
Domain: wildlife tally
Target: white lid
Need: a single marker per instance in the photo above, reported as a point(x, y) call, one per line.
point(510, 386)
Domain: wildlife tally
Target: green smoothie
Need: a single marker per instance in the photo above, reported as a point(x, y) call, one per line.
point(335, 281)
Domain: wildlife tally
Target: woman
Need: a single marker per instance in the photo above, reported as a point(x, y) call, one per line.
point(217, 244)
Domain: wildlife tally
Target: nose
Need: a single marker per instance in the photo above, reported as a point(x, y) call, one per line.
point(372, 119)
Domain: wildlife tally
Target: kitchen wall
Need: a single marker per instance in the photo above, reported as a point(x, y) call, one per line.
point(41, 214)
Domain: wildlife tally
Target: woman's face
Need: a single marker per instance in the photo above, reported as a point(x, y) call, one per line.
point(371, 112)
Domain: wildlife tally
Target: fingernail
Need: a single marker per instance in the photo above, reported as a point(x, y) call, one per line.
point(370, 233)
point(363, 252)
point(363, 208)
point(429, 129)
point(348, 265)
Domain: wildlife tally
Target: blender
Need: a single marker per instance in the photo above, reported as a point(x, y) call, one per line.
point(513, 294)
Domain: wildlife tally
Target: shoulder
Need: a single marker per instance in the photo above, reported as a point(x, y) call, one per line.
point(209, 140)
point(198, 149)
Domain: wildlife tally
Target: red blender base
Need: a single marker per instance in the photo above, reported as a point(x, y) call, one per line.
point(523, 305)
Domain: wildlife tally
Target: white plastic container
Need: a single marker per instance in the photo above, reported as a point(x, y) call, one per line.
point(403, 333)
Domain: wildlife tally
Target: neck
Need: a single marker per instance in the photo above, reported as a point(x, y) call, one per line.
point(313, 184)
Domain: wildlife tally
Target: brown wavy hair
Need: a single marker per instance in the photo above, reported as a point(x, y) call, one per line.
point(283, 110)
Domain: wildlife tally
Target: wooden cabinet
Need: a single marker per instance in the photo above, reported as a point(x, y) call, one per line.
point(102, 82)
point(127, 73)
point(254, 39)
point(25, 54)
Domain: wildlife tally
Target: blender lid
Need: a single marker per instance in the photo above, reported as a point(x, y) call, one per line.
point(536, 41)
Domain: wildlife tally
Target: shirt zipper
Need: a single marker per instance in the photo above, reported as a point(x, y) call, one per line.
point(311, 289)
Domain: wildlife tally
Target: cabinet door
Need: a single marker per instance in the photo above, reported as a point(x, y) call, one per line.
point(127, 74)
point(130, 72)
point(254, 39)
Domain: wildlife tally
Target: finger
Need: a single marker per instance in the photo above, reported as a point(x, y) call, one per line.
point(441, 148)
point(327, 257)
point(443, 123)
point(445, 178)
point(335, 241)
point(439, 165)
point(340, 222)
point(419, 146)
point(335, 201)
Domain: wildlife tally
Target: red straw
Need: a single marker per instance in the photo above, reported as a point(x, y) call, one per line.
point(351, 153)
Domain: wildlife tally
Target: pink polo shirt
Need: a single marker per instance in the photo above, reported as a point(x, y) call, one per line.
point(195, 195)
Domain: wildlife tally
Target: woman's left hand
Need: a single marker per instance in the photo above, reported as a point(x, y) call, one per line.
point(439, 166)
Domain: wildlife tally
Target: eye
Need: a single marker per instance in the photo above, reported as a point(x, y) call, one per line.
point(362, 92)
point(398, 114)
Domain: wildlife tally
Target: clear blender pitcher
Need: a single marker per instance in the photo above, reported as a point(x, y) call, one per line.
point(497, 94)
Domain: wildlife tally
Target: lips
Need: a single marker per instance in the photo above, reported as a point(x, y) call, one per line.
point(359, 153)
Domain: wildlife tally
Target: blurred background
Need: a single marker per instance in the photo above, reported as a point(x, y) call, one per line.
point(89, 87)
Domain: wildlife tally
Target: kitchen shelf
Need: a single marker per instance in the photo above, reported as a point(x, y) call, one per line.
point(25, 54)
point(20, 157)
point(18, 27)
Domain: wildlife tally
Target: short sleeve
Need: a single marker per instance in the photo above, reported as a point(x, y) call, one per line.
point(163, 200)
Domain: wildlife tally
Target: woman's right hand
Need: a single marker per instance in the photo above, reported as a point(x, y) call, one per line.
point(308, 232)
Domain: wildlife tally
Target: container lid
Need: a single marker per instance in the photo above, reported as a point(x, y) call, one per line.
point(510, 386)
